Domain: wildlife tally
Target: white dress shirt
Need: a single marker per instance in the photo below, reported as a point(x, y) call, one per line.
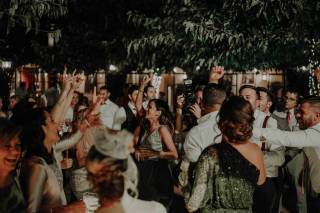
point(134, 205)
point(302, 138)
point(145, 105)
point(274, 156)
point(107, 112)
point(121, 116)
point(202, 136)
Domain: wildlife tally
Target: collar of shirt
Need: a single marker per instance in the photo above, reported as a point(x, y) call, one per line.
point(132, 107)
point(106, 102)
point(208, 116)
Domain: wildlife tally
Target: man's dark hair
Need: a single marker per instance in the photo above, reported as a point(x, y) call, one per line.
point(269, 95)
point(213, 94)
point(147, 87)
point(314, 101)
point(247, 86)
point(132, 89)
point(199, 88)
point(105, 88)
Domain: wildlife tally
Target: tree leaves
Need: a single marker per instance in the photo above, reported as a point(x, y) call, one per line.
point(238, 34)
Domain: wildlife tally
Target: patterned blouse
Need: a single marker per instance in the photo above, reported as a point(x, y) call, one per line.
point(224, 181)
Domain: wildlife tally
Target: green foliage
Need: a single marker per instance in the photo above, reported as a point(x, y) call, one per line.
point(239, 34)
point(28, 13)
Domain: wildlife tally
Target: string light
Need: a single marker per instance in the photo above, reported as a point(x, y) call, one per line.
point(313, 66)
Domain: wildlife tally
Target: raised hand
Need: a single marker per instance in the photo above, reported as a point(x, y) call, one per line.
point(146, 79)
point(196, 110)
point(180, 101)
point(216, 73)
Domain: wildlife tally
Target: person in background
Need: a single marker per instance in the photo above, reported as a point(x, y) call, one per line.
point(2, 113)
point(265, 101)
point(266, 197)
point(226, 173)
point(308, 116)
point(13, 101)
point(146, 93)
point(108, 109)
point(154, 147)
point(293, 200)
point(21, 91)
point(113, 174)
point(12, 199)
point(126, 116)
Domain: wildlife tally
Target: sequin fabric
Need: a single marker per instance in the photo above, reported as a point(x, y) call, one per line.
point(224, 181)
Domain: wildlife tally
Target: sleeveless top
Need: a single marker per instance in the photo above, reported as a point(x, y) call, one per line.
point(152, 140)
point(224, 182)
point(12, 200)
point(131, 121)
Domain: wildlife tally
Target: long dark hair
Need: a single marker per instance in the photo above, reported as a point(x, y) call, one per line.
point(32, 135)
point(166, 116)
point(236, 119)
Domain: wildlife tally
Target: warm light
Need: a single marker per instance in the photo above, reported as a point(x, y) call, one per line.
point(6, 64)
point(113, 68)
point(264, 77)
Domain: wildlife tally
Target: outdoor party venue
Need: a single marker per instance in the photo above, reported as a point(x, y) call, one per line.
point(160, 106)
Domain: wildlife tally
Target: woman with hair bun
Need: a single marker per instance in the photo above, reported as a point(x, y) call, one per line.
point(114, 175)
point(227, 173)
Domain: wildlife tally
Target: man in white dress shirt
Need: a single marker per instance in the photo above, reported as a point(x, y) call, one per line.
point(206, 132)
point(126, 116)
point(308, 117)
point(266, 198)
point(108, 109)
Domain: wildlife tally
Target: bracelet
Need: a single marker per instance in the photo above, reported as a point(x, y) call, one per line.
point(179, 111)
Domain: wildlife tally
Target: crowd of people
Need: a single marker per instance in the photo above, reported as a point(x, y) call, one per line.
point(217, 152)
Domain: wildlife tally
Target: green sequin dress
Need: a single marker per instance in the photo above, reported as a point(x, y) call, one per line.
point(224, 182)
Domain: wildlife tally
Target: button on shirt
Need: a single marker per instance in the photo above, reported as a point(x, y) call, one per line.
point(107, 113)
point(202, 136)
point(121, 116)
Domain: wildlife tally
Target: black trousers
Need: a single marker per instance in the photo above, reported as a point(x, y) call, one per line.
point(264, 197)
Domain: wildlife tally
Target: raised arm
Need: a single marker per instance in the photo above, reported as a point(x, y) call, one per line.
point(146, 79)
point(215, 74)
point(179, 124)
point(303, 138)
point(57, 111)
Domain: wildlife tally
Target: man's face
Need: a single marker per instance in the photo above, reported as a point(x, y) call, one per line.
point(307, 116)
point(104, 94)
point(199, 97)
point(13, 102)
point(133, 96)
point(290, 100)
point(75, 99)
point(151, 93)
point(263, 102)
point(251, 96)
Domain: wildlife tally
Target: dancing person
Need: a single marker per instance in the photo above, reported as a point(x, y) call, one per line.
point(227, 173)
